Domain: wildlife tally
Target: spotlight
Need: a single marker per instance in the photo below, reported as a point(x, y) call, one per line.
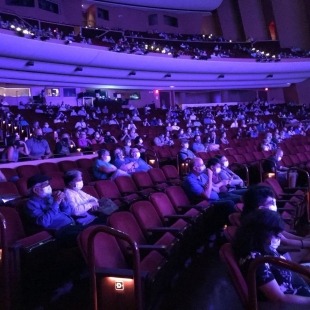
point(29, 63)
point(269, 76)
point(168, 75)
point(221, 76)
point(78, 69)
point(132, 73)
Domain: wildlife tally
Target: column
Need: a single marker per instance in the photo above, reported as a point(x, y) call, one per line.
point(253, 19)
point(292, 23)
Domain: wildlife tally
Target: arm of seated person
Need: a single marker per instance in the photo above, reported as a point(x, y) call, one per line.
point(107, 169)
point(274, 293)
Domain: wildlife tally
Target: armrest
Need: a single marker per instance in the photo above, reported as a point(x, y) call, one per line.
point(163, 229)
point(116, 272)
point(30, 243)
point(178, 216)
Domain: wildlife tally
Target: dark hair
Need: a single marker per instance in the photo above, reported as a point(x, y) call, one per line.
point(101, 152)
point(213, 161)
point(255, 230)
point(219, 156)
point(70, 176)
point(254, 197)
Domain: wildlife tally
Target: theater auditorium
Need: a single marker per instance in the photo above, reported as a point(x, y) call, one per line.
point(154, 154)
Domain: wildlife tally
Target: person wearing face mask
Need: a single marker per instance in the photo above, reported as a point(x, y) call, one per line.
point(259, 235)
point(46, 128)
point(141, 165)
point(82, 205)
point(124, 163)
point(103, 169)
point(262, 197)
point(38, 147)
point(127, 146)
point(47, 210)
point(198, 187)
point(197, 145)
point(221, 186)
point(185, 152)
point(97, 138)
point(227, 174)
point(65, 146)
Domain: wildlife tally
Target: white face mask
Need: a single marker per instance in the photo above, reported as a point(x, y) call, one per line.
point(107, 158)
point(226, 163)
point(275, 242)
point(137, 155)
point(217, 170)
point(79, 185)
point(46, 191)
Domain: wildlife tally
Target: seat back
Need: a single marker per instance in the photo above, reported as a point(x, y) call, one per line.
point(234, 218)
point(90, 190)
point(49, 168)
point(126, 222)
point(275, 185)
point(107, 189)
point(157, 176)
point(142, 179)
point(66, 165)
point(228, 257)
point(177, 196)
point(8, 188)
point(170, 172)
point(146, 215)
point(162, 205)
point(113, 285)
point(125, 184)
point(27, 171)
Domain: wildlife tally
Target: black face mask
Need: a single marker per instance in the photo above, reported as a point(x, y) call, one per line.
point(40, 137)
point(66, 140)
point(17, 143)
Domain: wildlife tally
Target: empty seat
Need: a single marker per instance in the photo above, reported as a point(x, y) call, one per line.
point(66, 165)
point(157, 176)
point(108, 189)
point(8, 189)
point(143, 181)
point(27, 171)
point(126, 222)
point(49, 169)
point(109, 266)
point(171, 174)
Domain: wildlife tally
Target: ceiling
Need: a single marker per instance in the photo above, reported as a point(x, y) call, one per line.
point(55, 64)
point(180, 5)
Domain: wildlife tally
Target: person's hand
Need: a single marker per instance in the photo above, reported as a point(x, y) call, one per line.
point(225, 182)
point(209, 173)
point(58, 196)
point(95, 205)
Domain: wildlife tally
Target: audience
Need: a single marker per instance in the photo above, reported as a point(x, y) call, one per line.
point(47, 210)
point(38, 147)
point(259, 235)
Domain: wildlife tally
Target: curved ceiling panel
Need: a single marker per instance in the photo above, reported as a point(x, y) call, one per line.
point(53, 63)
point(181, 5)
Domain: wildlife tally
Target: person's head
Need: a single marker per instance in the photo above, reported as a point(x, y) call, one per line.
point(259, 231)
point(127, 142)
point(82, 135)
point(38, 133)
point(38, 185)
point(279, 154)
point(104, 155)
point(73, 179)
point(135, 153)
point(125, 131)
point(197, 165)
point(96, 135)
point(213, 134)
point(118, 153)
point(46, 125)
point(258, 197)
point(65, 137)
point(185, 144)
point(223, 160)
point(138, 140)
point(197, 138)
point(214, 164)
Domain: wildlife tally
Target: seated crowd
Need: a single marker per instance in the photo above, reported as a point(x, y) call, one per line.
point(122, 147)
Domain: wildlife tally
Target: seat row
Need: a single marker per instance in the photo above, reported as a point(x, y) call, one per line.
point(151, 243)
